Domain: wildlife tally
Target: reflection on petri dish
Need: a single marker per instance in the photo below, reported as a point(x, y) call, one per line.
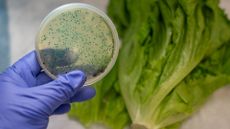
point(77, 37)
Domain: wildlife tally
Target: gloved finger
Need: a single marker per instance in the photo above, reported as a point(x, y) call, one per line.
point(57, 92)
point(84, 93)
point(42, 78)
point(64, 108)
point(27, 68)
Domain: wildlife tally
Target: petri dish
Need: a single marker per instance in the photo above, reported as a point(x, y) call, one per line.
point(77, 36)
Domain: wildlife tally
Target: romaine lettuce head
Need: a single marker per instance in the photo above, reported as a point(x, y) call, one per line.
point(161, 48)
point(174, 55)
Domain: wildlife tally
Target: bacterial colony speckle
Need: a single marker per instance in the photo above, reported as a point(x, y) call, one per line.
point(76, 39)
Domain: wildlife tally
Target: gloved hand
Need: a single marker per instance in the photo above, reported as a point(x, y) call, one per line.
point(28, 96)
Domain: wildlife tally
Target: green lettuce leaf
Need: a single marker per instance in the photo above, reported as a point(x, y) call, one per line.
point(107, 108)
point(212, 73)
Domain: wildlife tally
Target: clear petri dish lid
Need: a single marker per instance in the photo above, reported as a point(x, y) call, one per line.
point(77, 36)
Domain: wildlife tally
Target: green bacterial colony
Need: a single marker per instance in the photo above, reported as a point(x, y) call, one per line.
point(76, 39)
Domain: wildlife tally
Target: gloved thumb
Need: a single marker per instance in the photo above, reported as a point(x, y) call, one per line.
point(59, 91)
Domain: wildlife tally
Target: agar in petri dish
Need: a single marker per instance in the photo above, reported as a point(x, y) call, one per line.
point(77, 37)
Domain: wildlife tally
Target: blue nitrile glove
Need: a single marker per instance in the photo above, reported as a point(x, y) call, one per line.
point(28, 96)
